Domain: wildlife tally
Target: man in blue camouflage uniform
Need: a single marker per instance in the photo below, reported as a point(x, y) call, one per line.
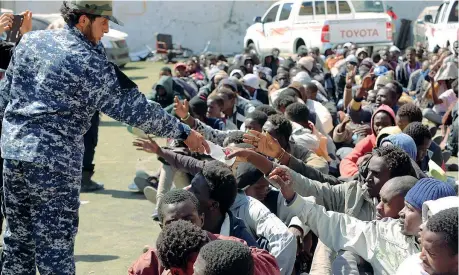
point(56, 81)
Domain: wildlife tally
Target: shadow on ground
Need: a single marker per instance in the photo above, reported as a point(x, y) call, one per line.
point(131, 68)
point(95, 258)
point(120, 194)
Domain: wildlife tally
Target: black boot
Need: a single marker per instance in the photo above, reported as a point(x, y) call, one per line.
point(88, 185)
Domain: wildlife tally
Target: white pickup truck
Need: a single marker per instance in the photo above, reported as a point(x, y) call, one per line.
point(442, 30)
point(315, 23)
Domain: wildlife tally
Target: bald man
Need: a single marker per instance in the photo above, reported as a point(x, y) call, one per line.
point(392, 196)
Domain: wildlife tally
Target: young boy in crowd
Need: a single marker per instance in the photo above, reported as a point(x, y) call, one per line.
point(215, 188)
point(423, 139)
point(408, 113)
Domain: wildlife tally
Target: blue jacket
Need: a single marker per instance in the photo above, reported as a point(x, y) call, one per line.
point(56, 81)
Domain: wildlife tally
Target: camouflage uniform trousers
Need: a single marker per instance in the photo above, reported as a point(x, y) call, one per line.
point(41, 206)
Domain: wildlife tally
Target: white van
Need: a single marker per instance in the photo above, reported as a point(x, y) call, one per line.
point(315, 23)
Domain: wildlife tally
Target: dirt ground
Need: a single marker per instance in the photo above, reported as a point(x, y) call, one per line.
point(115, 224)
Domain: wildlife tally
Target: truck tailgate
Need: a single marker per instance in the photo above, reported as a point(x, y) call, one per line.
point(358, 30)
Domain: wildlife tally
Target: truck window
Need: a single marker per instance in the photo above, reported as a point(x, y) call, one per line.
point(306, 9)
point(453, 14)
point(285, 11)
point(439, 12)
point(368, 6)
point(331, 7)
point(344, 7)
point(320, 7)
point(271, 15)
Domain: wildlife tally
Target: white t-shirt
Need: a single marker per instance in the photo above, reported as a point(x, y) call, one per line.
point(449, 98)
point(411, 266)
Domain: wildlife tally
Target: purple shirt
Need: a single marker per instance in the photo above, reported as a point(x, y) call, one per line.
point(409, 70)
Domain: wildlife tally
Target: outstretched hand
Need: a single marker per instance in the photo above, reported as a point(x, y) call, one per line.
point(241, 154)
point(147, 145)
point(264, 143)
point(197, 143)
point(181, 109)
point(283, 178)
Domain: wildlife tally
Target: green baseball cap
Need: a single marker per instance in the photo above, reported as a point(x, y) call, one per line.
point(100, 8)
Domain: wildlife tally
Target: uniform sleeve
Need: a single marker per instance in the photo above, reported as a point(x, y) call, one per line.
point(114, 94)
point(281, 243)
point(350, 233)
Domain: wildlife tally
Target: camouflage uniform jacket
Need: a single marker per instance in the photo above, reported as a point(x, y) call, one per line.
point(56, 81)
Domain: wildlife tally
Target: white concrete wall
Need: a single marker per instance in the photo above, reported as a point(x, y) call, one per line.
point(193, 23)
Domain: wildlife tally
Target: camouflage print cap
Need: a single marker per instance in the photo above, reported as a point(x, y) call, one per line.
point(100, 8)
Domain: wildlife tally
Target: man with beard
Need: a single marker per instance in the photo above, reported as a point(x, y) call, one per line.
point(56, 81)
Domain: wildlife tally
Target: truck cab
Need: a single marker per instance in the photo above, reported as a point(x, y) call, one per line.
point(287, 25)
point(442, 30)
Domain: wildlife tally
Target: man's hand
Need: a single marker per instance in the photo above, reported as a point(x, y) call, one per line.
point(26, 23)
point(197, 143)
point(6, 22)
point(241, 154)
point(264, 143)
point(181, 109)
point(361, 93)
point(147, 145)
point(363, 130)
point(367, 83)
point(432, 74)
point(282, 177)
point(350, 77)
point(342, 125)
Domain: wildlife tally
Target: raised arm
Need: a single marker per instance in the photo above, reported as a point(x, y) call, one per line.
point(179, 161)
point(113, 93)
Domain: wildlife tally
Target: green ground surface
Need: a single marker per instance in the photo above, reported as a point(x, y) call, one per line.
point(115, 224)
